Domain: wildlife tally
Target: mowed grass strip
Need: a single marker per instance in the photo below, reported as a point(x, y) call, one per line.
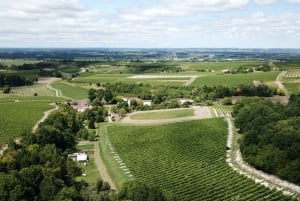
point(232, 80)
point(165, 114)
point(19, 117)
point(187, 158)
point(71, 90)
point(100, 77)
point(91, 170)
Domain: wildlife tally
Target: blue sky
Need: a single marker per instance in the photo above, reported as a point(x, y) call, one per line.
point(151, 23)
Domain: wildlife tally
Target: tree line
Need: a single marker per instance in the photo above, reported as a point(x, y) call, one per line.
point(271, 136)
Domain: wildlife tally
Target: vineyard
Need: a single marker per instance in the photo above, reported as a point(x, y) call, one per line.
point(38, 89)
point(222, 111)
point(19, 117)
point(71, 90)
point(235, 79)
point(293, 73)
point(187, 158)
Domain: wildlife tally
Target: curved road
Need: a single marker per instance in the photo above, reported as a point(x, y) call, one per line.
point(236, 162)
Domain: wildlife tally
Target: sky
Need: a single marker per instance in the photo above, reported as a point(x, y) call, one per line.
point(150, 23)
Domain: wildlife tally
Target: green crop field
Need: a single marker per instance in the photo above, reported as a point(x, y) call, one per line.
point(19, 117)
point(17, 62)
point(163, 114)
point(232, 80)
point(218, 66)
point(70, 69)
point(292, 84)
point(187, 158)
point(5, 98)
point(71, 90)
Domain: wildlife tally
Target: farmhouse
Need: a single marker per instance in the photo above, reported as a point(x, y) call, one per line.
point(81, 106)
point(143, 102)
point(78, 157)
point(184, 100)
point(147, 102)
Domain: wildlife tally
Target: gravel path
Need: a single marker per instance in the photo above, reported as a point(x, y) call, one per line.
point(235, 160)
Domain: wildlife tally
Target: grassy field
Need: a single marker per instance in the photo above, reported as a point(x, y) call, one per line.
point(107, 154)
point(69, 69)
point(235, 79)
point(71, 90)
point(19, 117)
point(101, 77)
point(186, 158)
point(163, 114)
point(17, 62)
point(5, 98)
point(292, 84)
point(91, 171)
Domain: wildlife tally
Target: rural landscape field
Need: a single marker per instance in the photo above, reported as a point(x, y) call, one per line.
point(157, 100)
point(163, 127)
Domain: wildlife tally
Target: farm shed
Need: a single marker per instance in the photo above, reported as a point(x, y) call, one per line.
point(78, 157)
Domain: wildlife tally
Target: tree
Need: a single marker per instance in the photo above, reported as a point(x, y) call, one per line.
point(6, 89)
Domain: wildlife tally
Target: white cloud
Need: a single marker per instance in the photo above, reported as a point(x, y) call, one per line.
point(265, 2)
point(179, 8)
point(293, 1)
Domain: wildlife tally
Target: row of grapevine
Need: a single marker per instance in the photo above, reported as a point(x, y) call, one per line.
point(38, 89)
point(117, 158)
point(221, 112)
point(187, 158)
point(293, 73)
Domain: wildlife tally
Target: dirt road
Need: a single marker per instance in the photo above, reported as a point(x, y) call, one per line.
point(101, 167)
point(281, 86)
point(236, 162)
point(46, 114)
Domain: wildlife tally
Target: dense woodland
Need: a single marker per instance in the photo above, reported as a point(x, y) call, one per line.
point(36, 168)
point(271, 136)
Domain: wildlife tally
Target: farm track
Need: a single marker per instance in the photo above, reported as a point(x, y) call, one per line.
point(236, 162)
point(46, 114)
point(281, 86)
point(101, 167)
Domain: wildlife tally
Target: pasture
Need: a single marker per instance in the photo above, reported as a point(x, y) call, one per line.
point(71, 90)
point(157, 115)
point(187, 158)
point(19, 117)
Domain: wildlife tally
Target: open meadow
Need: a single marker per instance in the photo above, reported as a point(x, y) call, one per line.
point(187, 158)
